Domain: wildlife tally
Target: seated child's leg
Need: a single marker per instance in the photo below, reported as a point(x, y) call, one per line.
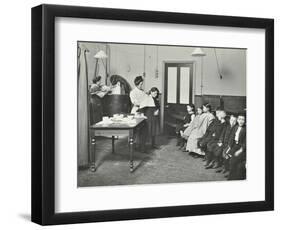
point(202, 144)
point(226, 165)
point(233, 167)
point(234, 149)
point(241, 171)
point(218, 155)
point(209, 152)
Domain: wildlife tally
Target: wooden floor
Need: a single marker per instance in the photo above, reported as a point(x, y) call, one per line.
point(166, 165)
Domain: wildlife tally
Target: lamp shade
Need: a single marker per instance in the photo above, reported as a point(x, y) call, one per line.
point(198, 52)
point(100, 55)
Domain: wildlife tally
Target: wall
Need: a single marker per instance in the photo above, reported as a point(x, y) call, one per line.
point(91, 61)
point(129, 62)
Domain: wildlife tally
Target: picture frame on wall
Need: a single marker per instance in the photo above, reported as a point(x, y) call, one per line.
point(104, 80)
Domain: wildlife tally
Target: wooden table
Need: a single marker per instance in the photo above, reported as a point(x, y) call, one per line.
point(114, 129)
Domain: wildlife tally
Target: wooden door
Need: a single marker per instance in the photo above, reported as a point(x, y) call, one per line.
point(178, 84)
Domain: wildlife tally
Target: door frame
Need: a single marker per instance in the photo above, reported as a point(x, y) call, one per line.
point(162, 108)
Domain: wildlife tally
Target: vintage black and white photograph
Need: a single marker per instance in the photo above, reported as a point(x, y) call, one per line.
point(151, 114)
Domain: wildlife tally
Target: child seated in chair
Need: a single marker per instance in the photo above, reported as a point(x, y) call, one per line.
point(215, 145)
point(184, 124)
point(237, 149)
point(210, 134)
point(194, 133)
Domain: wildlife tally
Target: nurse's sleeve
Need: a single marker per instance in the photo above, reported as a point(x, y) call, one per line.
point(133, 97)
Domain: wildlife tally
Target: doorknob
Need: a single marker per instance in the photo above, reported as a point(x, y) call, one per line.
point(167, 106)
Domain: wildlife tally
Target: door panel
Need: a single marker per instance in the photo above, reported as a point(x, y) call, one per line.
point(184, 85)
point(172, 85)
point(178, 84)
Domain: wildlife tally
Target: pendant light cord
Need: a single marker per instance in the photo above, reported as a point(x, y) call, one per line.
point(218, 67)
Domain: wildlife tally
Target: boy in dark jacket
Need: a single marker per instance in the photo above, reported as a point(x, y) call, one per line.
point(218, 131)
point(203, 141)
point(219, 147)
point(237, 150)
point(222, 145)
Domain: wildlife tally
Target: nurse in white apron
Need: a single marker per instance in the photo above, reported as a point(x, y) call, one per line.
point(137, 95)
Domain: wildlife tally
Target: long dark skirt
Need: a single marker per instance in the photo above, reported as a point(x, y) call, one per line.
point(153, 123)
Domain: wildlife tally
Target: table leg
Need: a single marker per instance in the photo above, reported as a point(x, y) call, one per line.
point(131, 146)
point(93, 155)
point(112, 144)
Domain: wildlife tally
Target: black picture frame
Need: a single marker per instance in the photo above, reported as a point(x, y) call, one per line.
point(43, 114)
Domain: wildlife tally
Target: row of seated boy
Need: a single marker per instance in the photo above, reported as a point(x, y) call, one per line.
point(224, 145)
